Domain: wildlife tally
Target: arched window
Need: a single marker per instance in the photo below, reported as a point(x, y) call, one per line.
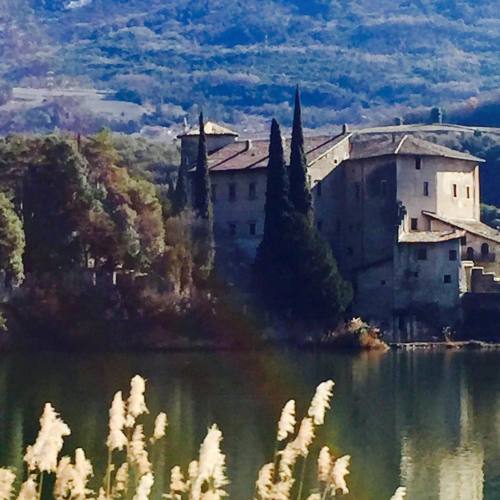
point(485, 249)
point(470, 253)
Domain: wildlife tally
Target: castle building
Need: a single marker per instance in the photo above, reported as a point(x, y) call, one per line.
point(402, 216)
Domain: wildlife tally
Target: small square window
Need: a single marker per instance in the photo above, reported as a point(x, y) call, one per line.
point(422, 253)
point(453, 255)
point(418, 163)
point(414, 224)
point(447, 278)
point(252, 228)
point(426, 188)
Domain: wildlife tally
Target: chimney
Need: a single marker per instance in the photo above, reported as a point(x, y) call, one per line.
point(345, 129)
point(248, 144)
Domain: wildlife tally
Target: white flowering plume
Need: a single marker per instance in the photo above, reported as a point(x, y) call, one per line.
point(160, 427)
point(286, 424)
point(137, 453)
point(28, 489)
point(321, 402)
point(42, 455)
point(136, 403)
point(144, 488)
point(211, 466)
point(116, 437)
point(399, 494)
point(7, 478)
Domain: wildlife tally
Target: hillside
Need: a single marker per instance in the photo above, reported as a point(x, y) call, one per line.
point(357, 61)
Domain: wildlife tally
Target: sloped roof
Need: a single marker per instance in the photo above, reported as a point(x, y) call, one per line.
point(211, 128)
point(406, 145)
point(430, 236)
point(250, 155)
point(471, 226)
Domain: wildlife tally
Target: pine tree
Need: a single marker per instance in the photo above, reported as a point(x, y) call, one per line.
point(300, 195)
point(201, 180)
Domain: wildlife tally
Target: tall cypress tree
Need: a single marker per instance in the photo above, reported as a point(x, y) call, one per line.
point(201, 180)
point(300, 195)
point(203, 228)
point(180, 197)
point(271, 265)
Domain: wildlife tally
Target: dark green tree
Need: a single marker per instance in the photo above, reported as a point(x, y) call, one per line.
point(272, 270)
point(180, 196)
point(201, 180)
point(203, 226)
point(300, 194)
point(295, 270)
point(12, 242)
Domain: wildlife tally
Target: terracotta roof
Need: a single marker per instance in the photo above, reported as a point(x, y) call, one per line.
point(406, 145)
point(249, 155)
point(430, 236)
point(471, 226)
point(211, 128)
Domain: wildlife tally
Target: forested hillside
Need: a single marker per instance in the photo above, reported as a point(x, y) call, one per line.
point(356, 60)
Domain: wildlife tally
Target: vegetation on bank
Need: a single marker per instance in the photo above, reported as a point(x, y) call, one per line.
point(131, 468)
point(97, 251)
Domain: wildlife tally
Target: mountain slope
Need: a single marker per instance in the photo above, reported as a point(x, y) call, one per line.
point(356, 60)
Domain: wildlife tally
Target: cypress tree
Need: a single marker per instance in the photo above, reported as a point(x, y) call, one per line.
point(277, 206)
point(201, 180)
point(272, 271)
point(180, 197)
point(300, 195)
point(203, 230)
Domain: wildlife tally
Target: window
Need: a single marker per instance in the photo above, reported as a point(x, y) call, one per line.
point(252, 228)
point(470, 253)
point(383, 188)
point(252, 191)
point(214, 192)
point(232, 228)
point(418, 163)
point(453, 255)
point(468, 192)
point(357, 190)
point(414, 224)
point(485, 249)
point(455, 191)
point(426, 188)
point(232, 191)
point(447, 278)
point(422, 253)
point(319, 225)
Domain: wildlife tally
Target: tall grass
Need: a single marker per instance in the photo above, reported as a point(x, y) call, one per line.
point(129, 473)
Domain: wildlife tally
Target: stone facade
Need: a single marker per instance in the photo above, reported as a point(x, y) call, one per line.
point(402, 217)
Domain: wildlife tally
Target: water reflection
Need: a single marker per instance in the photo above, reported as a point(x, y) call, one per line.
point(430, 421)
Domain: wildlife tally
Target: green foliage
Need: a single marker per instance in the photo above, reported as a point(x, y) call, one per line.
point(300, 195)
point(490, 215)
point(12, 241)
point(295, 269)
point(56, 202)
point(203, 233)
point(180, 195)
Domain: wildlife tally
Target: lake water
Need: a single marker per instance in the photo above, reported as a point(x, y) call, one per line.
point(430, 421)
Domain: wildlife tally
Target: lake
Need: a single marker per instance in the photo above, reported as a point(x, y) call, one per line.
point(426, 420)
